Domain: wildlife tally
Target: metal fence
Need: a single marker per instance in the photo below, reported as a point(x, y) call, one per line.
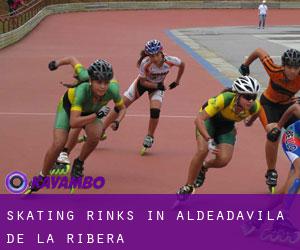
point(23, 14)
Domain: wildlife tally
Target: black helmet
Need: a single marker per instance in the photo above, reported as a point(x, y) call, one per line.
point(101, 70)
point(291, 58)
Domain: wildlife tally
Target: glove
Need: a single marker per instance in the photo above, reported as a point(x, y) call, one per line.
point(161, 86)
point(274, 134)
point(211, 145)
point(102, 112)
point(244, 70)
point(52, 65)
point(173, 85)
point(115, 125)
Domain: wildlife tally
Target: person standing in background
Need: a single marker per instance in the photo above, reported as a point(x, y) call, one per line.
point(10, 6)
point(262, 8)
point(13, 5)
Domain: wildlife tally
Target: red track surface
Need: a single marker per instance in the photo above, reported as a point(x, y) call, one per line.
point(28, 87)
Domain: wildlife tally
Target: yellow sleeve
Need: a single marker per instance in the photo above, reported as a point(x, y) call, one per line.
point(77, 68)
point(75, 105)
point(120, 103)
point(214, 105)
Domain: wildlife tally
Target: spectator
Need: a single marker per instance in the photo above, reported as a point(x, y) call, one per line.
point(262, 8)
point(13, 5)
point(10, 6)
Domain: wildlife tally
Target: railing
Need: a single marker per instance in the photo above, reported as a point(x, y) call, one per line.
point(23, 14)
point(26, 12)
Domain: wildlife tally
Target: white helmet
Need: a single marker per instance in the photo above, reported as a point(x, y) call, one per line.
point(246, 85)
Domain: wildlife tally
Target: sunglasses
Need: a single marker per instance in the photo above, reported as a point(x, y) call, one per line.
point(249, 97)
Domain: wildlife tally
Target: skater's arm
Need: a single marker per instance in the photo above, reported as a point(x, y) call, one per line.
point(274, 134)
point(78, 121)
point(179, 75)
point(258, 53)
point(199, 122)
point(254, 113)
point(121, 114)
point(122, 111)
point(249, 121)
point(116, 116)
point(71, 60)
point(292, 110)
point(181, 68)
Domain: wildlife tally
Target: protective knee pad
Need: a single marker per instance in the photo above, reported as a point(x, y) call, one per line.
point(295, 187)
point(154, 113)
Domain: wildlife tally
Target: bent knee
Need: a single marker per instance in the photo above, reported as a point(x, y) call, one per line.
point(94, 139)
point(202, 151)
point(222, 161)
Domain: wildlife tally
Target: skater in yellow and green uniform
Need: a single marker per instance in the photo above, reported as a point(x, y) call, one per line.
point(81, 107)
point(113, 93)
point(215, 128)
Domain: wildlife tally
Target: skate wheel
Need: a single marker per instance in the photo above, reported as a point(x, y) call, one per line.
point(60, 169)
point(272, 190)
point(28, 191)
point(66, 170)
point(81, 139)
point(103, 137)
point(55, 171)
point(143, 151)
point(72, 190)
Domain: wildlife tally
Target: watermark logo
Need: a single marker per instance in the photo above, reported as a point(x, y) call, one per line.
point(52, 182)
point(16, 182)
